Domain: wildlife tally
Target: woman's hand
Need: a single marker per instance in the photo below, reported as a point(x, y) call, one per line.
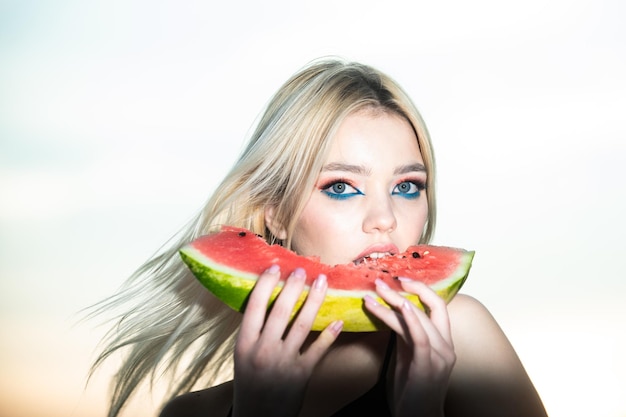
point(271, 371)
point(425, 352)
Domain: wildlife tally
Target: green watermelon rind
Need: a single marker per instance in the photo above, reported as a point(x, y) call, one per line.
point(233, 287)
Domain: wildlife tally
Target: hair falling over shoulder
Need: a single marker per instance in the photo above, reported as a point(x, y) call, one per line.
point(168, 325)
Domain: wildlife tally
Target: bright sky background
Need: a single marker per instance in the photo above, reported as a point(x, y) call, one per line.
point(118, 117)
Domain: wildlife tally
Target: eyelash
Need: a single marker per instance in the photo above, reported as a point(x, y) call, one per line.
point(418, 183)
point(324, 188)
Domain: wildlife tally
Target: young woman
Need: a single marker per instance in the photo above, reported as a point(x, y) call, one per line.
point(340, 166)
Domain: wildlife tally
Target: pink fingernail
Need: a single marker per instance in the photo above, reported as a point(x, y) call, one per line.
point(382, 284)
point(320, 282)
point(406, 305)
point(405, 279)
point(273, 269)
point(299, 273)
point(370, 300)
point(336, 326)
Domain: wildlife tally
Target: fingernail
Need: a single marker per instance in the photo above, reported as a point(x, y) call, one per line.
point(320, 282)
point(370, 300)
point(406, 305)
point(405, 279)
point(273, 269)
point(336, 326)
point(381, 284)
point(299, 273)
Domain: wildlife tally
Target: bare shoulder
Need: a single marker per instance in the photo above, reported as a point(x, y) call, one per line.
point(488, 378)
point(465, 303)
point(477, 337)
point(214, 401)
point(468, 315)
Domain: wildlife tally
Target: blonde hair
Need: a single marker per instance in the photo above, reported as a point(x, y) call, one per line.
point(172, 318)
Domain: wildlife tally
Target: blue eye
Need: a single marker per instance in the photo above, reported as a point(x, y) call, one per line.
point(408, 189)
point(340, 190)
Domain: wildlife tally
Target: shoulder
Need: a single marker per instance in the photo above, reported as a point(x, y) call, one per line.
point(467, 313)
point(217, 399)
point(466, 303)
point(488, 378)
point(476, 332)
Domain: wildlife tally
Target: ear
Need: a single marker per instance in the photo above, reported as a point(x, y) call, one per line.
point(276, 228)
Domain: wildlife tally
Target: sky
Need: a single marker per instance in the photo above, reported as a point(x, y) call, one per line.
point(117, 119)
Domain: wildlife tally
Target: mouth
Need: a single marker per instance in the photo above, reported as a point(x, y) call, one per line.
point(371, 257)
point(375, 252)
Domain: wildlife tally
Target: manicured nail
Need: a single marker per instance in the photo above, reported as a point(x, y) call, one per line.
point(381, 284)
point(370, 300)
point(405, 279)
point(273, 269)
point(299, 273)
point(336, 327)
point(406, 305)
point(320, 282)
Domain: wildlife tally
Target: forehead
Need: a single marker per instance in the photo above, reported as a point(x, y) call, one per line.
point(368, 136)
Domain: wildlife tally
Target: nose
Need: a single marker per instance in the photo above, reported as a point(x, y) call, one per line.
point(380, 217)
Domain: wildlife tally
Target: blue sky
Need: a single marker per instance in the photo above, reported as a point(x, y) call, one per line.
point(117, 118)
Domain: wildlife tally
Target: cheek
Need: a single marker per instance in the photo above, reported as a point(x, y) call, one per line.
point(423, 219)
point(318, 228)
point(309, 230)
point(412, 223)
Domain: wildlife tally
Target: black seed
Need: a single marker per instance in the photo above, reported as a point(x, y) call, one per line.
point(416, 255)
point(242, 234)
point(395, 277)
point(258, 235)
point(385, 271)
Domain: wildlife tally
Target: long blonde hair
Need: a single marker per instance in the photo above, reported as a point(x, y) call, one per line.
point(171, 318)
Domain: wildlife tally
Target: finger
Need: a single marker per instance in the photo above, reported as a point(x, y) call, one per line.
point(419, 339)
point(306, 316)
point(320, 346)
point(425, 336)
point(385, 314)
point(401, 319)
point(439, 315)
point(420, 331)
point(432, 352)
point(254, 315)
point(284, 306)
point(391, 297)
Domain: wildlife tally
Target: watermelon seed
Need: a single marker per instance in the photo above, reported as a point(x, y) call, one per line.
point(416, 255)
point(385, 271)
point(242, 234)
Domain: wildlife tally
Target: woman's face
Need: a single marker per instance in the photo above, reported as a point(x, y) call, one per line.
point(369, 198)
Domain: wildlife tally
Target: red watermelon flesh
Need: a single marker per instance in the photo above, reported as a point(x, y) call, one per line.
point(229, 262)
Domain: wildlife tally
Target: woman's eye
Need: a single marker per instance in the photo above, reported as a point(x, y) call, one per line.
point(340, 190)
point(408, 189)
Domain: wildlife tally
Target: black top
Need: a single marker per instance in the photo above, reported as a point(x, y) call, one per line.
point(374, 401)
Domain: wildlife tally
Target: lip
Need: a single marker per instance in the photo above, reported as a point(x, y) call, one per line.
point(378, 247)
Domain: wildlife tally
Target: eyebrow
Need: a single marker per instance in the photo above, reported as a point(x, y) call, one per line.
point(405, 169)
point(361, 170)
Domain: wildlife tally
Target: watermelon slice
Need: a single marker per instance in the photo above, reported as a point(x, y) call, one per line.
point(229, 262)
